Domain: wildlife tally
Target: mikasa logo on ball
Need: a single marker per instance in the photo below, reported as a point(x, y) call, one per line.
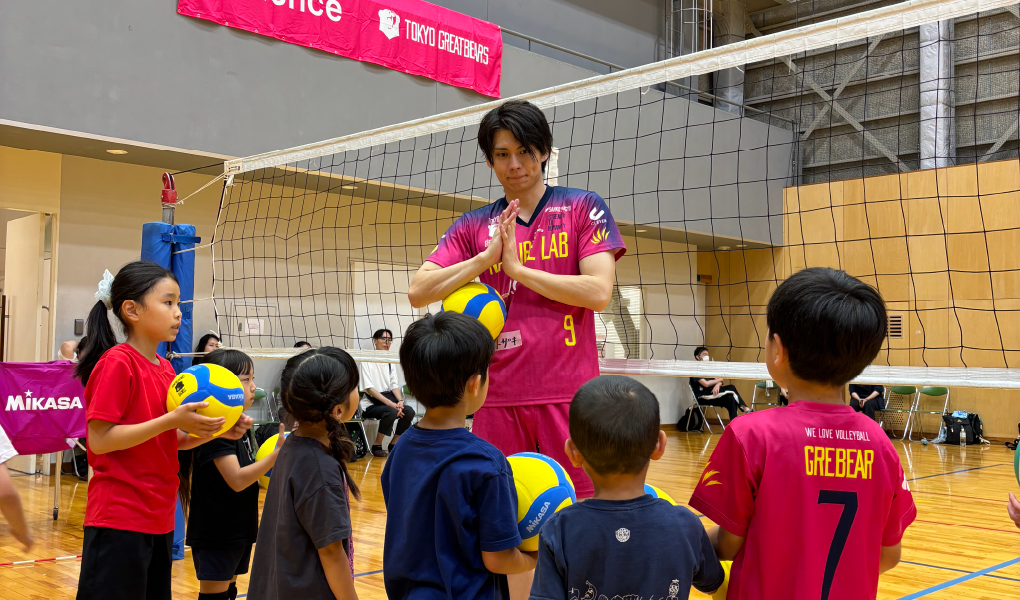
point(532, 524)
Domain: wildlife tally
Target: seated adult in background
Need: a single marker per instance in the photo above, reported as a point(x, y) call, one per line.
point(379, 382)
point(302, 344)
point(867, 399)
point(206, 343)
point(712, 392)
point(70, 349)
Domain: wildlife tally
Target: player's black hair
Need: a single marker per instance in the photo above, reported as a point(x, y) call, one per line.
point(440, 353)
point(311, 385)
point(831, 324)
point(80, 349)
point(200, 347)
point(525, 121)
point(302, 344)
point(699, 350)
point(379, 333)
point(614, 422)
point(235, 361)
point(133, 282)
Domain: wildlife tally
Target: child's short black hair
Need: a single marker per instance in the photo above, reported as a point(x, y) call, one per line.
point(441, 353)
point(832, 324)
point(614, 422)
point(699, 350)
point(525, 121)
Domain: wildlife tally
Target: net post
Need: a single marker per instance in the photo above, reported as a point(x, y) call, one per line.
point(168, 198)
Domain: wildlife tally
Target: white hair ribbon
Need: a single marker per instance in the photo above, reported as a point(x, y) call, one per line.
point(103, 295)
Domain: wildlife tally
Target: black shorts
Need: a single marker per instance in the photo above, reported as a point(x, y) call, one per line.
point(119, 564)
point(221, 564)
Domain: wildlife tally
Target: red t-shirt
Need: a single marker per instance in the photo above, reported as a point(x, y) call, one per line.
point(817, 490)
point(133, 489)
point(547, 349)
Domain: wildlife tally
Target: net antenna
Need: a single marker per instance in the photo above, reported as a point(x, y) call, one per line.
point(821, 164)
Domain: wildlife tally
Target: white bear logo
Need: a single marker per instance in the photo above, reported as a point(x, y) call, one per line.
point(389, 23)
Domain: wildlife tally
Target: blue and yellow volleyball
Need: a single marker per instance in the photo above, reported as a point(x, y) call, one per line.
point(543, 488)
point(208, 383)
point(481, 302)
point(655, 492)
point(265, 450)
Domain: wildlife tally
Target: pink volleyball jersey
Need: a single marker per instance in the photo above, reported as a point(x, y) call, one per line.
point(816, 489)
point(547, 349)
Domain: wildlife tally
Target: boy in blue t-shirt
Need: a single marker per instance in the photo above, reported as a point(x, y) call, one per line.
point(451, 505)
point(623, 543)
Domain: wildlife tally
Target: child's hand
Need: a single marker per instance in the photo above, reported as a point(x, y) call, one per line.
point(244, 423)
point(1013, 507)
point(280, 438)
point(185, 418)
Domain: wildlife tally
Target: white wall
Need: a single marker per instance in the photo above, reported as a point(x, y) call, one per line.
point(102, 208)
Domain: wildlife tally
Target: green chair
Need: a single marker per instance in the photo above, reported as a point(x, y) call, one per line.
point(915, 409)
point(764, 386)
point(907, 395)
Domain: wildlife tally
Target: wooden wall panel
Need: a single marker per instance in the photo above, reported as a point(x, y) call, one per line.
point(943, 248)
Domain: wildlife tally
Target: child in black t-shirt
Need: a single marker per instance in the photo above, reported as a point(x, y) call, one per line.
point(622, 542)
point(222, 495)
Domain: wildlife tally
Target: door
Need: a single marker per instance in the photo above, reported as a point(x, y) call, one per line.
point(23, 285)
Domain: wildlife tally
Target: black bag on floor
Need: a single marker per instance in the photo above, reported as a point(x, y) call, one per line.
point(691, 420)
point(957, 426)
point(1012, 445)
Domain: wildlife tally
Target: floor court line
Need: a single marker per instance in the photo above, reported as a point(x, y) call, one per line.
point(960, 471)
point(917, 564)
point(959, 580)
point(967, 526)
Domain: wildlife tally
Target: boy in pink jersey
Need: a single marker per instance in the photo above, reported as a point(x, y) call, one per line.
point(810, 500)
point(550, 252)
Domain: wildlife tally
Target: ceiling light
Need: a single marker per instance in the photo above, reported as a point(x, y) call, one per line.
point(642, 231)
point(723, 248)
point(118, 152)
point(349, 187)
point(741, 245)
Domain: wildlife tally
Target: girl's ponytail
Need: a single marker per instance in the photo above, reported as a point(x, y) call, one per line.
point(313, 384)
point(100, 339)
point(133, 282)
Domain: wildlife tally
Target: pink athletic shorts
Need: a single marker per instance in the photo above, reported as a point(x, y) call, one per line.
point(536, 428)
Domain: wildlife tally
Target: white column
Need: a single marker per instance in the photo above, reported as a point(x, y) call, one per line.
point(937, 130)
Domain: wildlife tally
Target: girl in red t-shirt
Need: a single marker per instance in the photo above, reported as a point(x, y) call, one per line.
point(132, 439)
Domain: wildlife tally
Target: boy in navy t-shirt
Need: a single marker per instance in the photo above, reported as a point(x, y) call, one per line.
point(623, 543)
point(451, 525)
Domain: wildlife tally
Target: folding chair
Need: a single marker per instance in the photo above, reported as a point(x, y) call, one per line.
point(925, 392)
point(701, 409)
point(762, 385)
point(906, 394)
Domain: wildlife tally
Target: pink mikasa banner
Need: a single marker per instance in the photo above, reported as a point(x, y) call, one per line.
point(41, 405)
point(405, 35)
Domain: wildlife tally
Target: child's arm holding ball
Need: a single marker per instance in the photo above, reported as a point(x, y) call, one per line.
point(105, 436)
point(510, 562)
point(238, 477)
point(725, 543)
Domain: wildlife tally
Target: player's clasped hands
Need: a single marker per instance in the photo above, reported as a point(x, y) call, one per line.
point(494, 252)
point(508, 233)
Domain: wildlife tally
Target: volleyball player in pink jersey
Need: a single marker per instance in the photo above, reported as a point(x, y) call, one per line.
point(810, 499)
point(551, 254)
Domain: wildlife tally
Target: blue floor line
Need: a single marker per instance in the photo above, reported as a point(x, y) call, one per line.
point(907, 562)
point(357, 575)
point(960, 471)
point(958, 580)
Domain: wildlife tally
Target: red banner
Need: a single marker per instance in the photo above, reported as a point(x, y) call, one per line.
point(405, 35)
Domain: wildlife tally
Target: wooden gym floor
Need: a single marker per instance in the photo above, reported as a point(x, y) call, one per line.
point(962, 545)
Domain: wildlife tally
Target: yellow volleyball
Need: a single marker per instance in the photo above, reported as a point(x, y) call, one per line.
point(481, 302)
point(208, 383)
point(543, 488)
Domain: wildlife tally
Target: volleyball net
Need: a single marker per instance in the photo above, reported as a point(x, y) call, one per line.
point(884, 143)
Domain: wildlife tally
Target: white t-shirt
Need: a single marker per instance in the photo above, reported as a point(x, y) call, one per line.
point(381, 376)
point(7, 451)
